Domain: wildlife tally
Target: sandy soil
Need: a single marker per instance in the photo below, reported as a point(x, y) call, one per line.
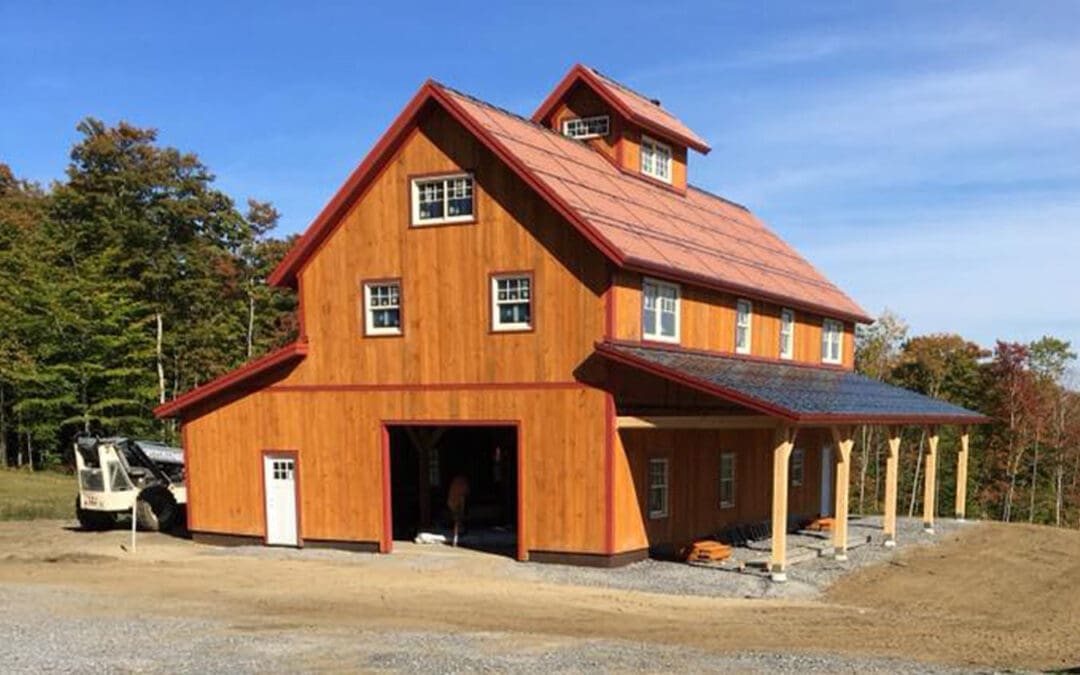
point(990, 596)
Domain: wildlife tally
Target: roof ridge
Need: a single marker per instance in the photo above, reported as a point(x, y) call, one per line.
point(628, 89)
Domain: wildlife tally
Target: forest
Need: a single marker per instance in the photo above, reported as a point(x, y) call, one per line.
point(134, 279)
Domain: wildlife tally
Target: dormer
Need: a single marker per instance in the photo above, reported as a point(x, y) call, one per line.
point(635, 132)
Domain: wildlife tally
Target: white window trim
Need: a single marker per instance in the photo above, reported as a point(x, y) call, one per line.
point(585, 120)
point(496, 324)
point(415, 191)
point(749, 326)
point(827, 327)
point(656, 336)
point(663, 512)
point(734, 464)
point(369, 326)
point(646, 140)
point(798, 458)
point(788, 314)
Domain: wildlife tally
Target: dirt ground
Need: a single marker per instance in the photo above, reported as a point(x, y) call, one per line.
point(997, 596)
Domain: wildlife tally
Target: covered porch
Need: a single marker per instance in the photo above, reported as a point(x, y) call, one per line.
point(786, 406)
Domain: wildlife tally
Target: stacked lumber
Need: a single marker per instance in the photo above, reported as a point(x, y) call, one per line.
point(708, 550)
point(821, 525)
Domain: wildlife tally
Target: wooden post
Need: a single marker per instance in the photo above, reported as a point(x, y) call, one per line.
point(961, 475)
point(892, 477)
point(844, 438)
point(784, 441)
point(930, 480)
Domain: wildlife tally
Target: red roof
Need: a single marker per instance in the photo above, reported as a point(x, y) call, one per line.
point(630, 103)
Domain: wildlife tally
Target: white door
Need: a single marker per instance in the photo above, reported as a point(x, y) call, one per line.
point(827, 473)
point(280, 476)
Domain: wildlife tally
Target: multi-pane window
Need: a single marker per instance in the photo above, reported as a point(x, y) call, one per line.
point(832, 341)
point(446, 199)
point(511, 302)
point(727, 480)
point(658, 488)
point(655, 159)
point(744, 315)
point(787, 334)
point(382, 308)
point(798, 466)
point(282, 469)
point(586, 127)
point(659, 311)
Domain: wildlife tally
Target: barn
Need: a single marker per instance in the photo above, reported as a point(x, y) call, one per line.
point(545, 310)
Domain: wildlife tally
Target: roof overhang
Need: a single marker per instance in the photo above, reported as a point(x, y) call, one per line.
point(580, 73)
point(229, 382)
point(800, 395)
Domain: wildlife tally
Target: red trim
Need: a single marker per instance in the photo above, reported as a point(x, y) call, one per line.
point(675, 347)
point(532, 301)
point(607, 349)
point(295, 457)
point(386, 542)
point(433, 386)
point(580, 72)
point(287, 354)
point(443, 174)
point(364, 306)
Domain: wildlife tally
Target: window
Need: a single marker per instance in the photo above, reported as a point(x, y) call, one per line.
point(655, 159)
point(744, 316)
point(832, 341)
point(446, 199)
point(586, 127)
point(511, 302)
point(787, 334)
point(659, 310)
point(727, 480)
point(282, 469)
point(658, 488)
point(382, 308)
point(798, 466)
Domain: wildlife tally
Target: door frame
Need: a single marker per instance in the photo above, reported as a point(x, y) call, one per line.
point(386, 542)
point(284, 454)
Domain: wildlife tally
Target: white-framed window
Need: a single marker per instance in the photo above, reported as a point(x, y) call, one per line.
point(442, 199)
point(655, 159)
point(658, 488)
point(832, 341)
point(586, 127)
point(382, 308)
point(798, 466)
point(787, 334)
point(727, 480)
point(511, 302)
point(744, 320)
point(659, 310)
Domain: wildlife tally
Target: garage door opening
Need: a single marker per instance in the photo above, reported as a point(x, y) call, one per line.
point(427, 462)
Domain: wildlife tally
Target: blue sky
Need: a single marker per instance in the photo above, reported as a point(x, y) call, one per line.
point(925, 156)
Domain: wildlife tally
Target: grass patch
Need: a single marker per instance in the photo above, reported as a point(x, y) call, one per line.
point(29, 496)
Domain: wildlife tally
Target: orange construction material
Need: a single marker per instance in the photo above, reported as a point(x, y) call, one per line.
point(708, 551)
point(821, 524)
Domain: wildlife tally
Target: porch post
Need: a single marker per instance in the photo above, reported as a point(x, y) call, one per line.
point(844, 439)
point(961, 475)
point(784, 440)
point(892, 476)
point(930, 481)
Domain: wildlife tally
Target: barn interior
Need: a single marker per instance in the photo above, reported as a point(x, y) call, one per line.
point(427, 461)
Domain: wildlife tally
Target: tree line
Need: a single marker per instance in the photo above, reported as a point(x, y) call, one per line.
point(129, 281)
point(134, 279)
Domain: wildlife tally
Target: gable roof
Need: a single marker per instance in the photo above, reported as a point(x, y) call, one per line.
point(796, 392)
point(629, 103)
point(695, 237)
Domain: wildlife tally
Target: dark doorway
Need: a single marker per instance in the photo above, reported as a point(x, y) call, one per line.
point(426, 460)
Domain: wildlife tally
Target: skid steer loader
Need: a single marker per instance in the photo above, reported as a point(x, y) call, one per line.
point(116, 474)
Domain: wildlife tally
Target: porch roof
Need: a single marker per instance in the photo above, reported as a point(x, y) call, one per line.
point(801, 394)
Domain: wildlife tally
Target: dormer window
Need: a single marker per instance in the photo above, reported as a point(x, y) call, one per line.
point(744, 316)
point(655, 159)
point(443, 199)
point(582, 128)
point(832, 341)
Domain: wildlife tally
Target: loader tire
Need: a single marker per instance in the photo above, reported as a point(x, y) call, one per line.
point(93, 521)
point(156, 510)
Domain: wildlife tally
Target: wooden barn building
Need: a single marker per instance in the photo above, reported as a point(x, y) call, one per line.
point(615, 360)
